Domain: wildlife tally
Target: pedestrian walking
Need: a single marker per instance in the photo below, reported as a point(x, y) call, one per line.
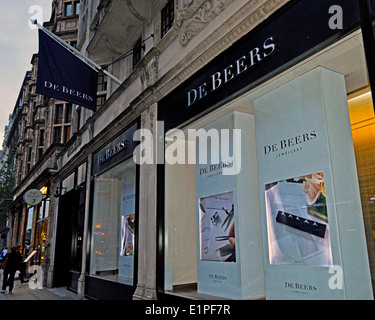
point(13, 262)
point(22, 266)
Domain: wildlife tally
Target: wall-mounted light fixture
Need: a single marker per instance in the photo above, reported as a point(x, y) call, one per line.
point(44, 190)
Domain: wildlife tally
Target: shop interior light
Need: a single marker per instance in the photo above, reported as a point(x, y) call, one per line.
point(361, 96)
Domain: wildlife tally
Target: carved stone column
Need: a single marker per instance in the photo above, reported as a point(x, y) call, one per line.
point(146, 286)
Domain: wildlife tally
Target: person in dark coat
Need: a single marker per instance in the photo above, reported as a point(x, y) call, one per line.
point(14, 261)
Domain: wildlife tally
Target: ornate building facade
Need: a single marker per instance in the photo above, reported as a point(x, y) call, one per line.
point(41, 128)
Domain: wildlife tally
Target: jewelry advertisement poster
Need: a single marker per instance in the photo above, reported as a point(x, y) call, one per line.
point(297, 222)
point(217, 234)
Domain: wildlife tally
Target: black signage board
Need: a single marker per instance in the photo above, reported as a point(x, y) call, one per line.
point(117, 150)
point(295, 32)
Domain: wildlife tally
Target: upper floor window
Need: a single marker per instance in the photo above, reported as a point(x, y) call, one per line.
point(73, 44)
point(68, 9)
point(71, 8)
point(59, 110)
point(62, 122)
point(167, 17)
point(101, 90)
point(102, 82)
point(137, 52)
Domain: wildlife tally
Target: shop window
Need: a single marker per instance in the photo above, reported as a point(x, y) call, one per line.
point(202, 220)
point(29, 230)
point(43, 208)
point(167, 17)
point(113, 224)
point(40, 241)
point(304, 161)
point(362, 120)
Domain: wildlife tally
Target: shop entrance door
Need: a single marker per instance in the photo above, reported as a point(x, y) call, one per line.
point(69, 238)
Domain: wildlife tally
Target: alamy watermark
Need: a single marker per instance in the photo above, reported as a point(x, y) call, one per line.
point(336, 21)
point(336, 282)
point(36, 280)
point(37, 14)
point(193, 146)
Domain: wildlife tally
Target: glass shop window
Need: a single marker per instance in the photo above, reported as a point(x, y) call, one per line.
point(113, 224)
point(202, 210)
point(362, 119)
point(198, 248)
point(29, 229)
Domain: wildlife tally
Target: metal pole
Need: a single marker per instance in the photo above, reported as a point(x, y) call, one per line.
point(87, 60)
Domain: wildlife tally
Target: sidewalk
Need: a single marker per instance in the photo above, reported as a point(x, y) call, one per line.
point(24, 292)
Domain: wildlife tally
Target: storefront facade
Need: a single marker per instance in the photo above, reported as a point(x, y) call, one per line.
point(96, 224)
point(288, 93)
point(298, 91)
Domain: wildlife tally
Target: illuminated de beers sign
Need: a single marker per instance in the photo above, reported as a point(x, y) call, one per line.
point(248, 60)
point(33, 197)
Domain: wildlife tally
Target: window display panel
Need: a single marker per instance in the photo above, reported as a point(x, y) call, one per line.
point(297, 222)
point(113, 225)
point(315, 189)
point(217, 236)
point(208, 228)
point(317, 149)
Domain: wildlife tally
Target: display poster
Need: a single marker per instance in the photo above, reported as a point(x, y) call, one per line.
point(309, 195)
point(127, 225)
point(229, 246)
point(297, 222)
point(217, 231)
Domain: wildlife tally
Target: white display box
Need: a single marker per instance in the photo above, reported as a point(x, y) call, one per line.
point(225, 270)
point(303, 130)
